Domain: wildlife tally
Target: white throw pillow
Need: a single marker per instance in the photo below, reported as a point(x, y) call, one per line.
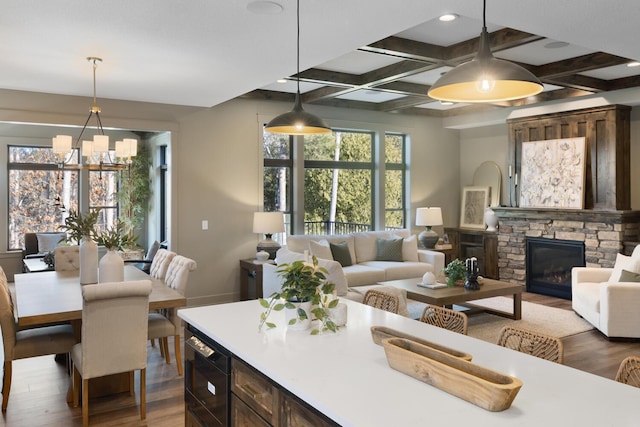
point(48, 242)
point(320, 249)
point(410, 249)
point(624, 262)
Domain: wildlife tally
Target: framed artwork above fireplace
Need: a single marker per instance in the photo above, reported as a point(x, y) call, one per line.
point(553, 174)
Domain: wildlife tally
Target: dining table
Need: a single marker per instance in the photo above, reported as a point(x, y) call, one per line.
point(56, 296)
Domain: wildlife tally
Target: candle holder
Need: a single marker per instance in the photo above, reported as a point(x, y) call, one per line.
point(471, 283)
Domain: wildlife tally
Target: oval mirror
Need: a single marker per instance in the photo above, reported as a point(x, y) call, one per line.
point(488, 175)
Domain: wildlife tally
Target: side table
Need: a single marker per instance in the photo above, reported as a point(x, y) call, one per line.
point(251, 269)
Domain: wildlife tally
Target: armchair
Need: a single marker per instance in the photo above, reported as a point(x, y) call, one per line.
point(612, 307)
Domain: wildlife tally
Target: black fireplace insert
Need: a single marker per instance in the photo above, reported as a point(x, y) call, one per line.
point(549, 263)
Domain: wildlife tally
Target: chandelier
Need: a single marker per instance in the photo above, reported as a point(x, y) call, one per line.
point(96, 151)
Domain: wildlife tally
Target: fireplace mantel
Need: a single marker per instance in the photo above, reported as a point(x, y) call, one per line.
point(590, 215)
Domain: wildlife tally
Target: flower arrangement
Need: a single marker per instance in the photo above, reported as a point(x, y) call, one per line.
point(303, 282)
point(455, 270)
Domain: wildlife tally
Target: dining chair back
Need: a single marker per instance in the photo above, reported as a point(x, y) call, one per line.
point(67, 258)
point(532, 342)
point(21, 344)
point(446, 318)
point(629, 371)
point(160, 263)
point(166, 323)
point(381, 300)
point(114, 337)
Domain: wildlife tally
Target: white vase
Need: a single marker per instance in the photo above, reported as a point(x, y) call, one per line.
point(291, 314)
point(111, 268)
point(88, 261)
point(490, 219)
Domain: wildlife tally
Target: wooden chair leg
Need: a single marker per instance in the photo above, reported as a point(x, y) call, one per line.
point(165, 343)
point(143, 393)
point(161, 347)
point(176, 342)
point(132, 386)
point(153, 342)
point(85, 403)
point(76, 387)
point(6, 385)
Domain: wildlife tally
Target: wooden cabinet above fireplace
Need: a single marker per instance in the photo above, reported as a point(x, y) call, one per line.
point(607, 133)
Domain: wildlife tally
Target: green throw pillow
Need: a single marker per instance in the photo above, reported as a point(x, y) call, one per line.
point(340, 252)
point(629, 276)
point(389, 249)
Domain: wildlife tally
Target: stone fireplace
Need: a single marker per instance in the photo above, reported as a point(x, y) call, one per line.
point(603, 234)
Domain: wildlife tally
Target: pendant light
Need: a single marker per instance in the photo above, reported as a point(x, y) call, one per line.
point(485, 78)
point(298, 121)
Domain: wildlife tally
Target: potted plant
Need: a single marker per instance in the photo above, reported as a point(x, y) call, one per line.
point(455, 270)
point(305, 291)
point(111, 267)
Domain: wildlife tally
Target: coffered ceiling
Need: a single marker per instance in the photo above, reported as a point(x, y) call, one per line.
point(368, 54)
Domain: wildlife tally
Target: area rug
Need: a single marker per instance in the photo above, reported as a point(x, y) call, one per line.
point(548, 320)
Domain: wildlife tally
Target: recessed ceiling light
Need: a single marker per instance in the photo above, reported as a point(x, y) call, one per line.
point(260, 7)
point(556, 45)
point(448, 17)
point(372, 92)
point(281, 81)
point(633, 64)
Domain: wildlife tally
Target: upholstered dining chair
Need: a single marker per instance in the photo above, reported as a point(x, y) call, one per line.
point(67, 258)
point(21, 344)
point(166, 323)
point(381, 300)
point(160, 263)
point(445, 318)
point(531, 342)
point(114, 337)
point(629, 371)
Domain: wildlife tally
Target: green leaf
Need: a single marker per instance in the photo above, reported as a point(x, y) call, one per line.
point(263, 302)
point(315, 332)
point(279, 307)
point(270, 325)
point(334, 303)
point(292, 321)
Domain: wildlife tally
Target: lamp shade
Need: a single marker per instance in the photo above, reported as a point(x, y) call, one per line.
point(485, 79)
point(268, 222)
point(298, 122)
point(429, 216)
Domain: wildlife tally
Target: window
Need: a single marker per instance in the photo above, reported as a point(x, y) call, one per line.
point(102, 188)
point(394, 180)
point(39, 193)
point(338, 182)
point(334, 178)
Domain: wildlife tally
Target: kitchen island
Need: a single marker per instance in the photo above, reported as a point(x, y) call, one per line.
point(345, 376)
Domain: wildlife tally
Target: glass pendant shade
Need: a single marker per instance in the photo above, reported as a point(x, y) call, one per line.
point(298, 122)
point(485, 79)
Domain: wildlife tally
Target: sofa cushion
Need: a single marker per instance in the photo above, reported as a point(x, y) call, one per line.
point(624, 262)
point(400, 270)
point(340, 253)
point(629, 276)
point(389, 249)
point(366, 244)
point(410, 249)
point(320, 249)
point(360, 274)
point(301, 242)
point(47, 242)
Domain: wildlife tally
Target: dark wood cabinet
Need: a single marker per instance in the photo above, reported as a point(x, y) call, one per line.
point(476, 243)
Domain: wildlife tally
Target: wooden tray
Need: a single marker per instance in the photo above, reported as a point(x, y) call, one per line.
point(483, 387)
point(379, 333)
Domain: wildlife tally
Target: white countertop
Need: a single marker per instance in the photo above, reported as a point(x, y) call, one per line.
point(346, 376)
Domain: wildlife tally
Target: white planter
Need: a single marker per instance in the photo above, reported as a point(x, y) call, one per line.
point(291, 314)
point(490, 219)
point(88, 261)
point(111, 268)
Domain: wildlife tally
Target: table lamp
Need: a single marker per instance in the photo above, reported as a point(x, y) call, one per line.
point(268, 223)
point(428, 217)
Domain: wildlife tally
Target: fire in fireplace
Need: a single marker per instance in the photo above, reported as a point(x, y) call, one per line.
point(549, 263)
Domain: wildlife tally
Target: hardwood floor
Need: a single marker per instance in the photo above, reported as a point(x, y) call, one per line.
point(40, 384)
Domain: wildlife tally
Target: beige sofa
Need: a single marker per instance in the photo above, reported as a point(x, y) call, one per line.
point(603, 300)
point(353, 281)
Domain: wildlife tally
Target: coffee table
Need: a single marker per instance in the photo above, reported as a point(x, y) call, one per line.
point(446, 297)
